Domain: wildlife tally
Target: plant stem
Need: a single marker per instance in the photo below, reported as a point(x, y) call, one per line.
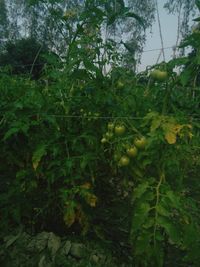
point(162, 178)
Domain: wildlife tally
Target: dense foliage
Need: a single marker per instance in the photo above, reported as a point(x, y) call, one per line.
point(110, 156)
point(25, 56)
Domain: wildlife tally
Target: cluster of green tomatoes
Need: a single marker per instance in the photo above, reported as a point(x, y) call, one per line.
point(129, 150)
point(89, 115)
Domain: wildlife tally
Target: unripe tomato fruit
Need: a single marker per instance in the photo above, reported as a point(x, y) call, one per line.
point(117, 157)
point(104, 140)
point(110, 126)
point(109, 135)
point(124, 161)
point(132, 151)
point(120, 129)
point(140, 142)
point(159, 75)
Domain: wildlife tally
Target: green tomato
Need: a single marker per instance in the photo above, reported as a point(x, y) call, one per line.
point(124, 161)
point(132, 151)
point(120, 129)
point(110, 126)
point(109, 135)
point(104, 140)
point(140, 142)
point(159, 75)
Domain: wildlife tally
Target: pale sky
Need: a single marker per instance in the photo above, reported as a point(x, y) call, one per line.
point(169, 24)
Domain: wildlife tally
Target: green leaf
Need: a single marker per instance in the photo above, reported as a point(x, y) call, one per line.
point(190, 235)
point(112, 18)
point(197, 19)
point(149, 223)
point(197, 2)
point(137, 172)
point(162, 211)
point(171, 229)
point(155, 124)
point(175, 200)
point(142, 244)
point(158, 254)
point(139, 191)
point(130, 47)
point(38, 154)
point(140, 216)
point(121, 3)
point(18, 126)
point(11, 132)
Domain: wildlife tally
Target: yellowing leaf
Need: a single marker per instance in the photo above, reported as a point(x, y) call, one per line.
point(69, 216)
point(156, 124)
point(82, 220)
point(91, 200)
point(170, 137)
point(177, 128)
point(86, 185)
point(190, 135)
point(37, 155)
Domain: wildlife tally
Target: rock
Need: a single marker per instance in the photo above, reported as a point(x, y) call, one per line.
point(24, 240)
point(94, 258)
point(44, 262)
point(54, 244)
point(31, 246)
point(38, 243)
point(66, 248)
point(11, 239)
point(41, 240)
point(102, 258)
point(78, 250)
point(63, 254)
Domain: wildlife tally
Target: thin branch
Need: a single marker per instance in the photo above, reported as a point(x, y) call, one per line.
point(36, 57)
point(178, 31)
point(160, 29)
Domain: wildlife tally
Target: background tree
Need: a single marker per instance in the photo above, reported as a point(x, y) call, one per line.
point(3, 23)
point(185, 10)
point(25, 56)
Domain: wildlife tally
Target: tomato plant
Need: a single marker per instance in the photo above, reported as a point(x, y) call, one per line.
point(78, 155)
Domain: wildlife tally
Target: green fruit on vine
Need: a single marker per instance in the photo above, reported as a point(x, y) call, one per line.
point(132, 151)
point(120, 129)
point(159, 75)
point(124, 161)
point(117, 156)
point(110, 126)
point(109, 135)
point(104, 140)
point(140, 142)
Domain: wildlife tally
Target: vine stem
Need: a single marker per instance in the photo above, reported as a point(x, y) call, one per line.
point(166, 99)
point(36, 57)
point(162, 178)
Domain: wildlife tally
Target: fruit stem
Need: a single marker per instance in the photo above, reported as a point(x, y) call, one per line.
point(134, 129)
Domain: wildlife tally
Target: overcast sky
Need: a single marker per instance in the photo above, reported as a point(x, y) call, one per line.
point(169, 25)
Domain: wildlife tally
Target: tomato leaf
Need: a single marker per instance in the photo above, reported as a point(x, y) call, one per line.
point(37, 155)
